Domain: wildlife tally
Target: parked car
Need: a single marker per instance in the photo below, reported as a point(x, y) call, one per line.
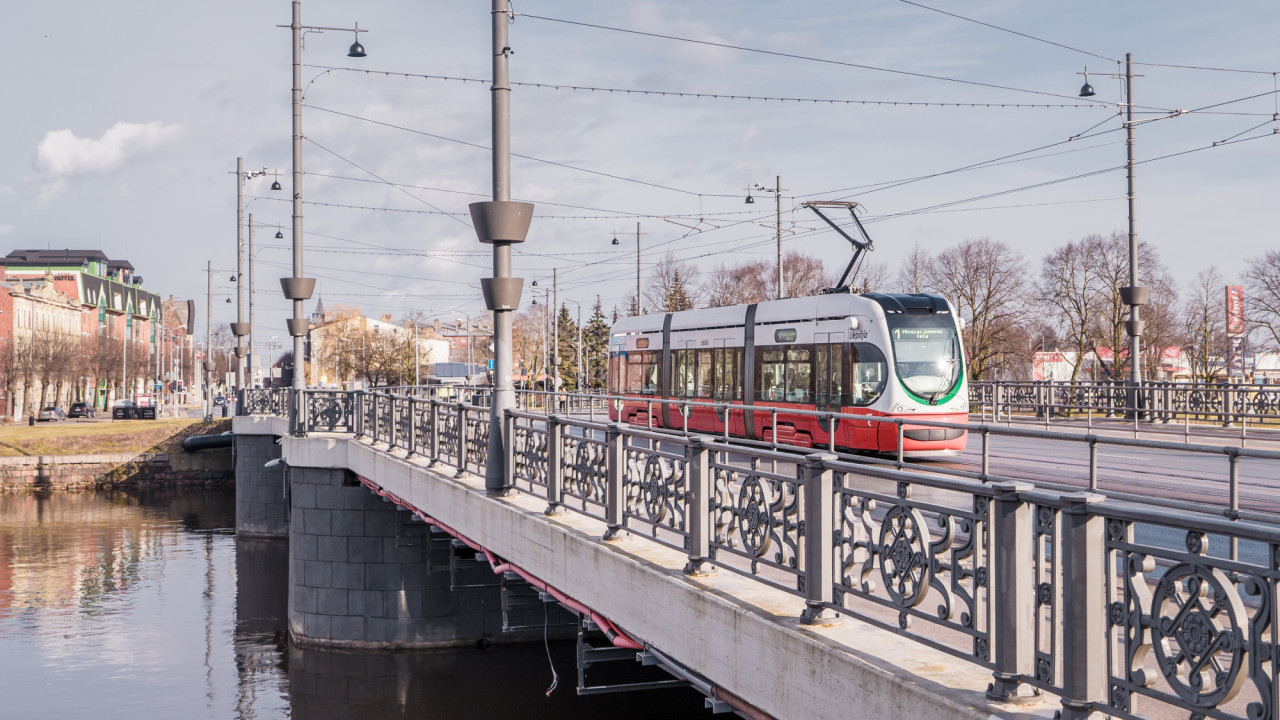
point(80, 409)
point(220, 399)
point(51, 414)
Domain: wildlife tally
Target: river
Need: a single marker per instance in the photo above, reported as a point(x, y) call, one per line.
point(145, 605)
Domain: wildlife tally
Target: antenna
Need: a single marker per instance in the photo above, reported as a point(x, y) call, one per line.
point(860, 244)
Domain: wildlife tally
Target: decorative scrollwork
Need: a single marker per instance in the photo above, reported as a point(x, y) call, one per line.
point(654, 490)
point(1197, 623)
point(530, 454)
point(755, 517)
point(906, 565)
point(584, 475)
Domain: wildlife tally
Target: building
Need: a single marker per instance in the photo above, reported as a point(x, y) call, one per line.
point(470, 339)
point(103, 306)
point(347, 349)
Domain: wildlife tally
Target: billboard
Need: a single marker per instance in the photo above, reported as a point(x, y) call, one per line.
point(1235, 309)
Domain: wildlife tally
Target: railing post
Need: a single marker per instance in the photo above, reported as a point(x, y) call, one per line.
point(698, 517)
point(615, 443)
point(462, 440)
point(1012, 592)
point(1084, 651)
point(435, 431)
point(509, 448)
point(555, 466)
point(413, 426)
point(819, 550)
point(391, 422)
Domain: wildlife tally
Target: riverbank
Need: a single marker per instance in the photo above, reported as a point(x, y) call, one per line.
point(137, 454)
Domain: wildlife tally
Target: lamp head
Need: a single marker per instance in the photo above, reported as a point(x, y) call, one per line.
point(1086, 90)
point(357, 50)
point(534, 284)
point(615, 239)
point(275, 185)
point(750, 200)
point(279, 235)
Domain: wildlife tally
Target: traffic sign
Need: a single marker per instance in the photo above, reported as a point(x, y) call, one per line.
point(490, 364)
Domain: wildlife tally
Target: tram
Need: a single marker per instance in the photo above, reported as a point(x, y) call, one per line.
point(874, 354)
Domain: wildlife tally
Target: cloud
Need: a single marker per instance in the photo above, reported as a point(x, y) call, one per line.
point(61, 154)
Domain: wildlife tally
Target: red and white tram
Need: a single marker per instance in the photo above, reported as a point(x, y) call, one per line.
point(873, 354)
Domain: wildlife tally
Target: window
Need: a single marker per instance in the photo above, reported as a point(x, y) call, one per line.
point(642, 343)
point(867, 375)
point(642, 372)
point(728, 374)
point(786, 375)
point(926, 354)
point(703, 376)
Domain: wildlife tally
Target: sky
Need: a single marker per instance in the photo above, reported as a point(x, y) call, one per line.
point(125, 121)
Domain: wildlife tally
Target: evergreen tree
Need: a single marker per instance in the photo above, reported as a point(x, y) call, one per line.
point(595, 350)
point(568, 350)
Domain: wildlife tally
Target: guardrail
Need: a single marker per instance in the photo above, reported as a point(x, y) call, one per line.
point(1117, 607)
point(1224, 403)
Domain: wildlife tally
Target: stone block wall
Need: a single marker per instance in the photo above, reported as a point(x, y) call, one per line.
point(208, 469)
point(261, 506)
point(363, 574)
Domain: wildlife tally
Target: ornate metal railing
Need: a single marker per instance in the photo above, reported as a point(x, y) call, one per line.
point(1119, 608)
point(1228, 404)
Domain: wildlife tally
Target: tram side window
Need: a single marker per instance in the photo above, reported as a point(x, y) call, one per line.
point(642, 372)
point(728, 373)
point(786, 375)
point(868, 373)
point(704, 374)
point(615, 361)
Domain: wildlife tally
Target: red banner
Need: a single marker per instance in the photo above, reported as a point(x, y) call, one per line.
point(1235, 310)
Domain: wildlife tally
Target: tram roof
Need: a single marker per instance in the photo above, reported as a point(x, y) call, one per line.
point(772, 311)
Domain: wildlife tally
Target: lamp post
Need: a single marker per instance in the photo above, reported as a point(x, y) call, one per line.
point(1135, 296)
point(208, 344)
point(615, 242)
point(239, 328)
point(501, 223)
point(297, 288)
point(777, 208)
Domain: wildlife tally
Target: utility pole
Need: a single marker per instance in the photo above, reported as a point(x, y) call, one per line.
point(555, 329)
point(501, 223)
point(240, 178)
point(777, 209)
point(208, 344)
point(251, 357)
point(639, 312)
point(1136, 296)
point(416, 363)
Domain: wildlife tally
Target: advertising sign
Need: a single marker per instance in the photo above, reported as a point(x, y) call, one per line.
point(1235, 356)
point(1235, 309)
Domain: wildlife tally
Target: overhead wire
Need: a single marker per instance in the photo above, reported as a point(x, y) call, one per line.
point(1007, 30)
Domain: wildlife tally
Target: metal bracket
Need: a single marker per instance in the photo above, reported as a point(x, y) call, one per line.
point(861, 244)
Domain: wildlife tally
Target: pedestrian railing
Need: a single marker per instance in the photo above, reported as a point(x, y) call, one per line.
point(1121, 608)
point(1224, 403)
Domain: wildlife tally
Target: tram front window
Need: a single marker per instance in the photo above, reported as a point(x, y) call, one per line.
point(926, 354)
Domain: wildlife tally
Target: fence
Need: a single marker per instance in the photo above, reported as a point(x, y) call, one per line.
point(1117, 607)
point(1228, 404)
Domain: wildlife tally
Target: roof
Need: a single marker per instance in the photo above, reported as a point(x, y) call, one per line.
point(64, 257)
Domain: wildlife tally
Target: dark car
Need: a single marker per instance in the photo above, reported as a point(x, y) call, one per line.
point(220, 400)
point(51, 413)
point(79, 409)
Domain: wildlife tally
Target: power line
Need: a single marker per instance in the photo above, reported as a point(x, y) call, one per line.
point(719, 96)
point(796, 56)
point(1011, 32)
point(523, 157)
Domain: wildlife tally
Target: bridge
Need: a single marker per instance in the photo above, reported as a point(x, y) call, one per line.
point(1037, 575)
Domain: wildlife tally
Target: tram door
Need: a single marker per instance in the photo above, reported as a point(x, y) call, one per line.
point(828, 370)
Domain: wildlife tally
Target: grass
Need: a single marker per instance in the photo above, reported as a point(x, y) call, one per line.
point(108, 437)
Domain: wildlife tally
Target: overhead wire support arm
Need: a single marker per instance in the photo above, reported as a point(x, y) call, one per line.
point(862, 244)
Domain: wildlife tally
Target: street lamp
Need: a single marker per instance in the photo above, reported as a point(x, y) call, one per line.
point(240, 328)
point(777, 197)
point(297, 288)
point(1135, 296)
point(615, 242)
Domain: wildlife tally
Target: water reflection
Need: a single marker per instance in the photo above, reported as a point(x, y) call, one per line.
point(126, 605)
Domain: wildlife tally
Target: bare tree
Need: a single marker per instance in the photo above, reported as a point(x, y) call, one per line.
point(1205, 325)
point(912, 276)
point(738, 285)
point(1111, 264)
point(673, 285)
point(1068, 288)
point(870, 277)
point(1262, 295)
point(986, 281)
point(804, 275)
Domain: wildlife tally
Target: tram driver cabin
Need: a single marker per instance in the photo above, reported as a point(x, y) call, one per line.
point(883, 355)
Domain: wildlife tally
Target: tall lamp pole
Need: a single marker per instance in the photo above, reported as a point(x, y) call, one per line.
point(615, 242)
point(240, 328)
point(501, 223)
point(777, 230)
point(208, 344)
point(1135, 296)
point(297, 288)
